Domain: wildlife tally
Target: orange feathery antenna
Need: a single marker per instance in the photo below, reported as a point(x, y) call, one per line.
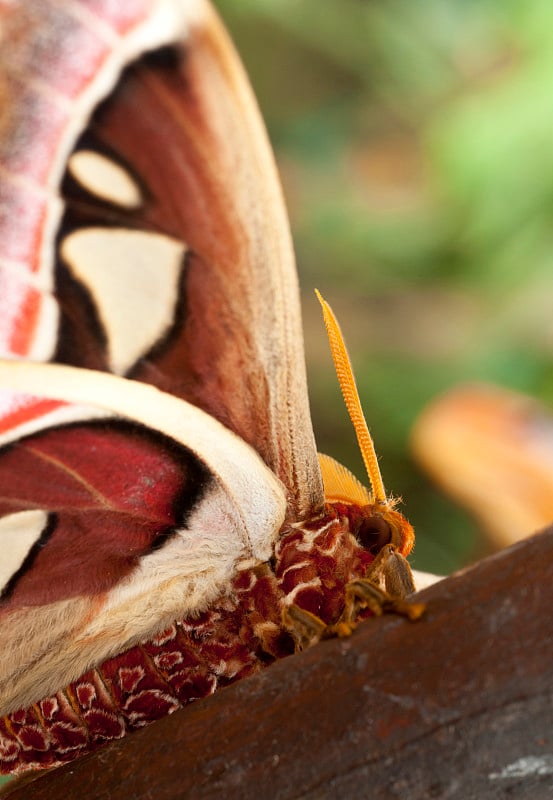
point(344, 372)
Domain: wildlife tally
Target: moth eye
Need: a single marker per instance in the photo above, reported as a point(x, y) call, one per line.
point(105, 179)
point(373, 533)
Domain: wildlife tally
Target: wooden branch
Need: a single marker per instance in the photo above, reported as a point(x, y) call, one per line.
point(458, 705)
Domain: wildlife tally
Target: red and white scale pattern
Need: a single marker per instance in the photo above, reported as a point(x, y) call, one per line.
point(236, 637)
point(242, 632)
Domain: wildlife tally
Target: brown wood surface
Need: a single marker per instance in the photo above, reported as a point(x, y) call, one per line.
point(458, 705)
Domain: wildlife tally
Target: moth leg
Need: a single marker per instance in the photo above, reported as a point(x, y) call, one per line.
point(306, 628)
point(365, 593)
point(384, 590)
point(391, 571)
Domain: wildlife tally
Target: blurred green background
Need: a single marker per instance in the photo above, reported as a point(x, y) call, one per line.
point(415, 144)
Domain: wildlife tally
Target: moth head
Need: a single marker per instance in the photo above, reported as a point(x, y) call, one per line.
point(377, 522)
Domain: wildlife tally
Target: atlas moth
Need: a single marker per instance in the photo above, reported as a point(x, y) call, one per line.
point(164, 528)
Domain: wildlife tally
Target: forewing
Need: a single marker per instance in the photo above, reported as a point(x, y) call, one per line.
point(142, 228)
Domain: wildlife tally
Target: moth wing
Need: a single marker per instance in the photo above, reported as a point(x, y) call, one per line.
point(142, 226)
point(115, 519)
point(142, 233)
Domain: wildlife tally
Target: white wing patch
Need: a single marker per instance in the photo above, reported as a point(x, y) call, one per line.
point(104, 178)
point(18, 533)
point(133, 279)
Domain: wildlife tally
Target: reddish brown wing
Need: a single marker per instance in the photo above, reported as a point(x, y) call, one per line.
point(182, 130)
point(111, 491)
point(110, 528)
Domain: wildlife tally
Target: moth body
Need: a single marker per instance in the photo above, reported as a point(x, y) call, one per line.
point(238, 634)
